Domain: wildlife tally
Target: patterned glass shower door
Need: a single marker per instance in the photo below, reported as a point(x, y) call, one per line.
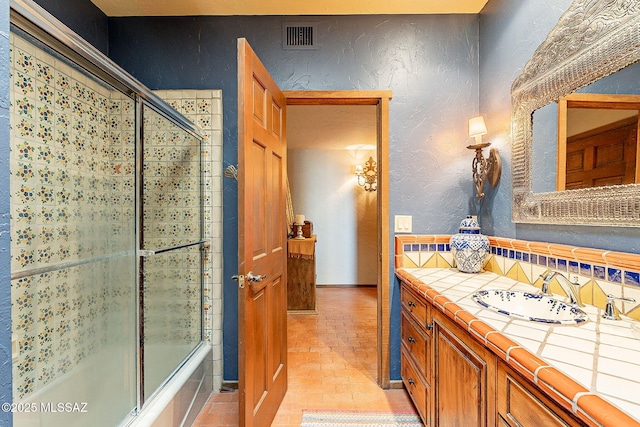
point(73, 228)
point(86, 195)
point(172, 230)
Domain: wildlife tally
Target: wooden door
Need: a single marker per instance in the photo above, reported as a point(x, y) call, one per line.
point(262, 301)
point(603, 156)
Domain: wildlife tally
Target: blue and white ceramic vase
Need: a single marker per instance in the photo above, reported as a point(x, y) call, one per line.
point(469, 247)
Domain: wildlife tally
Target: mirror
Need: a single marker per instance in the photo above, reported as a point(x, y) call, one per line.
point(548, 122)
point(591, 40)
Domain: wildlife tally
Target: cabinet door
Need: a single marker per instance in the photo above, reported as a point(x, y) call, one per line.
point(464, 378)
point(520, 404)
point(301, 284)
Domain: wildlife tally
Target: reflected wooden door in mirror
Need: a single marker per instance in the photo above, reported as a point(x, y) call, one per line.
point(597, 140)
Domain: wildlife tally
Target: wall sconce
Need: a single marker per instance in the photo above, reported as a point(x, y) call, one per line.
point(483, 168)
point(368, 175)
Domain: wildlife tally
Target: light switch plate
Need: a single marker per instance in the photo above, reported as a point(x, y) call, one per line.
point(402, 223)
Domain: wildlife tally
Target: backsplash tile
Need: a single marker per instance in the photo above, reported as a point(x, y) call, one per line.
point(599, 272)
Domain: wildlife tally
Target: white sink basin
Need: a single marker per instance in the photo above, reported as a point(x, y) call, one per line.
point(530, 306)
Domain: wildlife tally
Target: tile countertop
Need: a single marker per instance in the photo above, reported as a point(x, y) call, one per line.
point(602, 356)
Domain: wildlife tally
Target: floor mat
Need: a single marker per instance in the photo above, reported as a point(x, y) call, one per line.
point(342, 418)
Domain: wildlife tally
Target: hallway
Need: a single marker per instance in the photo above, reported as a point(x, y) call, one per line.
point(332, 363)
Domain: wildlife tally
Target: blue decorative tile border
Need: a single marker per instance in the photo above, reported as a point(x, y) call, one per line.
point(613, 274)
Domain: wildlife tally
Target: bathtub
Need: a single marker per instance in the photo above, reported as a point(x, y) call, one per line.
point(77, 400)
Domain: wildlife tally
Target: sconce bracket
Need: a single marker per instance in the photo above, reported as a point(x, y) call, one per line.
point(495, 171)
point(478, 146)
point(485, 168)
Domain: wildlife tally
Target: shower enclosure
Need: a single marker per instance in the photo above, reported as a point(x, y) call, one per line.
point(107, 239)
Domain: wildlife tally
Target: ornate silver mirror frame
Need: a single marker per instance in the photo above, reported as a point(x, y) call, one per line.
point(593, 39)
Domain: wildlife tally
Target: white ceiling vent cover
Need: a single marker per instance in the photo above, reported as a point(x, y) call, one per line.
point(299, 35)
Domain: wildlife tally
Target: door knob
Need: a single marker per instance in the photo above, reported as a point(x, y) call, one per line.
point(255, 277)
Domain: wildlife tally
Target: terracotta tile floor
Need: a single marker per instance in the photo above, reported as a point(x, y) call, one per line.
point(332, 363)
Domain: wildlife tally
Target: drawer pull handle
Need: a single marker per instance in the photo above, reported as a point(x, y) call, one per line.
point(411, 381)
point(411, 304)
point(411, 340)
point(429, 326)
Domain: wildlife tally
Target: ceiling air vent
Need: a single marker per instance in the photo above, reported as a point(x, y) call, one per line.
point(299, 35)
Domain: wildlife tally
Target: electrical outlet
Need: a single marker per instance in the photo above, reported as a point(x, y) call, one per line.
point(403, 223)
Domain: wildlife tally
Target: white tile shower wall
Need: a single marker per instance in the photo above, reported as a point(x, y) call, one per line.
point(204, 108)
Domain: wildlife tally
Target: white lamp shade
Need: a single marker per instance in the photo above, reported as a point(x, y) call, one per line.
point(359, 170)
point(477, 126)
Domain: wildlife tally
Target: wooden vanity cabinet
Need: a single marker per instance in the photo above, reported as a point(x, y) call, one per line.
point(447, 374)
point(521, 404)
point(456, 381)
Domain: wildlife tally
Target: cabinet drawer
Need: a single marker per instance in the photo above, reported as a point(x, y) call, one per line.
point(417, 387)
point(417, 343)
point(414, 305)
point(520, 404)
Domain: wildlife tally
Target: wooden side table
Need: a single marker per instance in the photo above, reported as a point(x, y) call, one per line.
point(301, 274)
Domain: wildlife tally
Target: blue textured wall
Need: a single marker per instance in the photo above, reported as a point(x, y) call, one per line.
point(510, 31)
point(429, 62)
point(5, 243)
point(83, 17)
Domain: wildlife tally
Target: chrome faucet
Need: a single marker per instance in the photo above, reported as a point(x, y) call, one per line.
point(572, 289)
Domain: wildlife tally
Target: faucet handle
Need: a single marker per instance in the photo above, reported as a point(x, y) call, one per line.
point(547, 275)
point(546, 279)
point(611, 312)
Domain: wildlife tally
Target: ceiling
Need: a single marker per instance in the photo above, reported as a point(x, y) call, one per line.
point(284, 7)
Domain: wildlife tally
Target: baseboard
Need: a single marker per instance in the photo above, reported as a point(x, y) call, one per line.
point(229, 386)
point(303, 312)
point(396, 384)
